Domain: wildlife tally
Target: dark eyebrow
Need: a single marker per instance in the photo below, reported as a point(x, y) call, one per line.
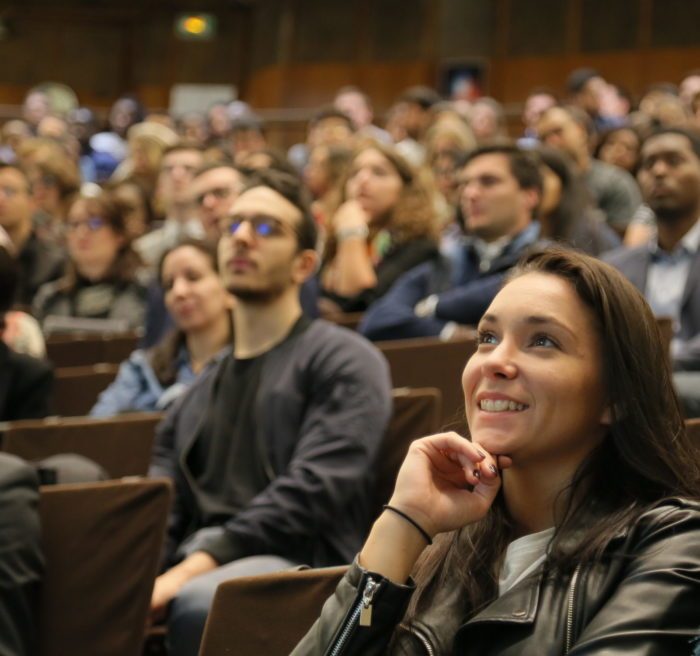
point(533, 320)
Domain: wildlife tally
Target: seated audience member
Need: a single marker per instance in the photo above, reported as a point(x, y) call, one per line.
point(136, 206)
point(586, 90)
point(322, 175)
point(358, 106)
point(267, 158)
point(147, 141)
point(25, 381)
point(488, 120)
point(103, 278)
point(39, 260)
point(247, 137)
point(385, 225)
point(272, 449)
point(667, 269)
point(327, 127)
point(566, 212)
point(174, 196)
point(21, 557)
point(201, 310)
point(537, 102)
point(54, 179)
point(620, 147)
point(214, 187)
point(568, 521)
point(614, 190)
point(500, 192)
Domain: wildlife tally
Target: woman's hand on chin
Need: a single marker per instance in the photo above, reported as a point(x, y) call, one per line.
point(349, 216)
point(447, 482)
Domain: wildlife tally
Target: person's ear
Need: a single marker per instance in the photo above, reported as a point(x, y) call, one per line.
point(532, 199)
point(305, 265)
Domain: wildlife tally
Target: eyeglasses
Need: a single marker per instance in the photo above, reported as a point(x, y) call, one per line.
point(263, 226)
point(218, 192)
point(93, 224)
point(9, 192)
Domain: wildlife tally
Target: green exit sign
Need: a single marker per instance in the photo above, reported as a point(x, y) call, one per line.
point(195, 27)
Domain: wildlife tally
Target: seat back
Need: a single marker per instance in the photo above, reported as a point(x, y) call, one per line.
point(417, 413)
point(692, 427)
point(76, 389)
point(121, 445)
point(429, 362)
point(349, 320)
point(102, 543)
point(268, 614)
point(84, 350)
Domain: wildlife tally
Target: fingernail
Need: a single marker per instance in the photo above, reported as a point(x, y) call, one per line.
point(493, 470)
point(481, 453)
point(477, 473)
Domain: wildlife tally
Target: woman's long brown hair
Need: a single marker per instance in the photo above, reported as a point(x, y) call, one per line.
point(645, 456)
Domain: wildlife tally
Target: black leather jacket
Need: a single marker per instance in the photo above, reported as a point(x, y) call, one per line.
point(644, 601)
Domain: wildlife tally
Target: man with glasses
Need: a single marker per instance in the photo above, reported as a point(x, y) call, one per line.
point(500, 188)
point(214, 188)
point(272, 449)
point(39, 261)
point(177, 170)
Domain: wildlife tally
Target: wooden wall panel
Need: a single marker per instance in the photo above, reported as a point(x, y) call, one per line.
point(312, 85)
point(467, 28)
point(675, 23)
point(325, 31)
point(398, 29)
point(536, 27)
point(609, 25)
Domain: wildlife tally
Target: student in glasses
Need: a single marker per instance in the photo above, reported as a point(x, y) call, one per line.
point(271, 449)
point(103, 278)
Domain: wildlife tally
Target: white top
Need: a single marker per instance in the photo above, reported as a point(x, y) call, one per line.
point(523, 556)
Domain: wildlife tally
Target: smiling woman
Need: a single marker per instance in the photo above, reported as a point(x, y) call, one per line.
point(569, 521)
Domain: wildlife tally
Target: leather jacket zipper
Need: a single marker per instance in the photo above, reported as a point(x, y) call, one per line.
point(570, 609)
point(360, 614)
point(422, 638)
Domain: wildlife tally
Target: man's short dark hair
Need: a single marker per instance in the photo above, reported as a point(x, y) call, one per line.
point(524, 166)
point(330, 111)
point(576, 114)
point(579, 78)
point(248, 123)
point(423, 96)
point(291, 188)
point(210, 166)
point(691, 136)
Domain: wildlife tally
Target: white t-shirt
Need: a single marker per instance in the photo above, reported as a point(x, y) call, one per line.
point(523, 556)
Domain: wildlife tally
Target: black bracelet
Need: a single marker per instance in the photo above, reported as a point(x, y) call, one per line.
point(410, 520)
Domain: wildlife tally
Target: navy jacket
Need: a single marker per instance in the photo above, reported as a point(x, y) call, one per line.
point(464, 292)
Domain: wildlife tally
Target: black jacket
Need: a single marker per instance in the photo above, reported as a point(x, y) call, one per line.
point(643, 599)
point(25, 386)
point(323, 403)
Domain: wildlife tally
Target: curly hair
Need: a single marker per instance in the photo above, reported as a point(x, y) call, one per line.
point(414, 216)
